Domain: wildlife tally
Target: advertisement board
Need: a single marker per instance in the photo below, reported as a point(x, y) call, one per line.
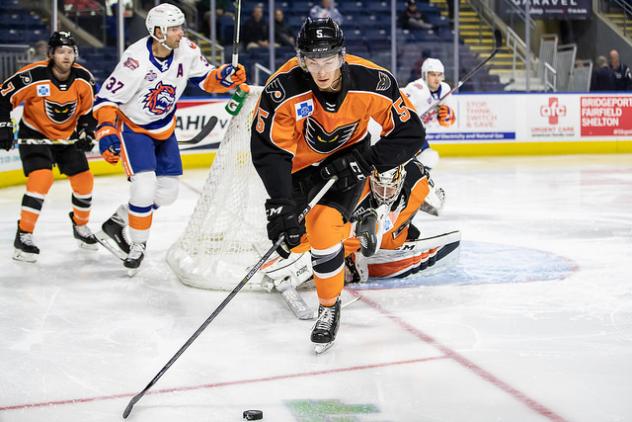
point(550, 9)
point(541, 117)
point(505, 123)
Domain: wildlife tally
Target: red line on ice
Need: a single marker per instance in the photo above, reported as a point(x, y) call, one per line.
point(462, 360)
point(221, 384)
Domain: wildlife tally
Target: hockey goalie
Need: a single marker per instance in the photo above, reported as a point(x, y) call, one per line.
point(386, 243)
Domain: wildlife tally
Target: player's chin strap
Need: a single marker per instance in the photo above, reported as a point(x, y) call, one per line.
point(162, 41)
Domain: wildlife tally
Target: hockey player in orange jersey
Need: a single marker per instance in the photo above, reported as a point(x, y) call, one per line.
point(310, 125)
point(58, 95)
point(386, 243)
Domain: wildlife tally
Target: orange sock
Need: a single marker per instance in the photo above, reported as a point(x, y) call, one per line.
point(326, 231)
point(82, 185)
point(37, 186)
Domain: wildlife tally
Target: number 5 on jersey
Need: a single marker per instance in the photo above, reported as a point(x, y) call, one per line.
point(261, 124)
point(402, 111)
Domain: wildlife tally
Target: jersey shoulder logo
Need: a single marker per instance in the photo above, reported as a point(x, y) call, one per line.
point(26, 77)
point(325, 142)
point(131, 63)
point(60, 113)
point(276, 91)
point(160, 99)
point(384, 83)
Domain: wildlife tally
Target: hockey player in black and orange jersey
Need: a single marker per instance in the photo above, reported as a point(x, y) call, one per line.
point(386, 242)
point(57, 95)
point(310, 125)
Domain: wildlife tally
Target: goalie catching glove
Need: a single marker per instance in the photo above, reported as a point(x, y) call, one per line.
point(350, 168)
point(283, 220)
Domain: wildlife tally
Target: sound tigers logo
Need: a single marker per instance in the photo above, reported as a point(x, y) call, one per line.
point(160, 99)
point(325, 142)
point(60, 113)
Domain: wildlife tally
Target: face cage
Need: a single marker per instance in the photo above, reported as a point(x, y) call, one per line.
point(386, 192)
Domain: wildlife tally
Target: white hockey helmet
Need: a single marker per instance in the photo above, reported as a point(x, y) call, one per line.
point(387, 186)
point(163, 16)
point(431, 65)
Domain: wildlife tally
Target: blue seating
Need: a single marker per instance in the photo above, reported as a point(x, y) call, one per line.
point(302, 7)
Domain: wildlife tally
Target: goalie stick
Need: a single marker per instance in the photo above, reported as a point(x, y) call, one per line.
point(225, 302)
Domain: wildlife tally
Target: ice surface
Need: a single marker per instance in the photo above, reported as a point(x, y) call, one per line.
point(535, 322)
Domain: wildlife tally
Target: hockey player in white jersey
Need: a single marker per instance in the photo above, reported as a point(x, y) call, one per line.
point(135, 109)
point(425, 94)
point(427, 90)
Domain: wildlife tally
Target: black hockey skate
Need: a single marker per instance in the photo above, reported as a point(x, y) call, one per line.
point(25, 249)
point(83, 234)
point(112, 237)
point(326, 327)
point(135, 257)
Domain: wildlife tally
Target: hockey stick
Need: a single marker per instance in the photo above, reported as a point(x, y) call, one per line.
point(29, 141)
point(498, 37)
point(225, 302)
point(208, 128)
point(237, 22)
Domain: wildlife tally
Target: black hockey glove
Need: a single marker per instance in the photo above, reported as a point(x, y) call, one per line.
point(6, 135)
point(85, 138)
point(350, 168)
point(283, 220)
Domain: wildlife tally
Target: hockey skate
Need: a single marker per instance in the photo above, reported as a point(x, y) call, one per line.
point(326, 327)
point(112, 237)
point(25, 249)
point(135, 257)
point(83, 234)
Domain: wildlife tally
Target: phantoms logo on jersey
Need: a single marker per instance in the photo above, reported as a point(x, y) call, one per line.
point(324, 142)
point(60, 113)
point(160, 99)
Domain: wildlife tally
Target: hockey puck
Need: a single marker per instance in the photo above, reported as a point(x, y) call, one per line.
point(253, 415)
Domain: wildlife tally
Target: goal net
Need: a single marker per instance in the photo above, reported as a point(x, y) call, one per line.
point(227, 231)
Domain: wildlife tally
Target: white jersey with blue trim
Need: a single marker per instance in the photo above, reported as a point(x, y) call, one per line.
point(422, 98)
point(146, 89)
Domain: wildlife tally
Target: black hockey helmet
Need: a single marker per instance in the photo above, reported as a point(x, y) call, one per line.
point(320, 38)
point(60, 39)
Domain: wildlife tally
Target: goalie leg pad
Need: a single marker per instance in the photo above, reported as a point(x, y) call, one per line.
point(416, 255)
point(290, 272)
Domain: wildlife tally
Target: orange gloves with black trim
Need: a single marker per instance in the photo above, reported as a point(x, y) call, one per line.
point(225, 78)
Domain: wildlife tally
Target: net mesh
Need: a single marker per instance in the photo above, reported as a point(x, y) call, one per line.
point(227, 231)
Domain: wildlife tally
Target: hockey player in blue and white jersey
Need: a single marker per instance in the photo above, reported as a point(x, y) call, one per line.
point(427, 90)
point(135, 109)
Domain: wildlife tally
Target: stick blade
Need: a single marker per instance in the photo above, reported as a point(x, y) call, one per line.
point(130, 405)
point(498, 36)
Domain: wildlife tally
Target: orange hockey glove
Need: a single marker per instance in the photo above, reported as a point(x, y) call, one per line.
point(225, 77)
